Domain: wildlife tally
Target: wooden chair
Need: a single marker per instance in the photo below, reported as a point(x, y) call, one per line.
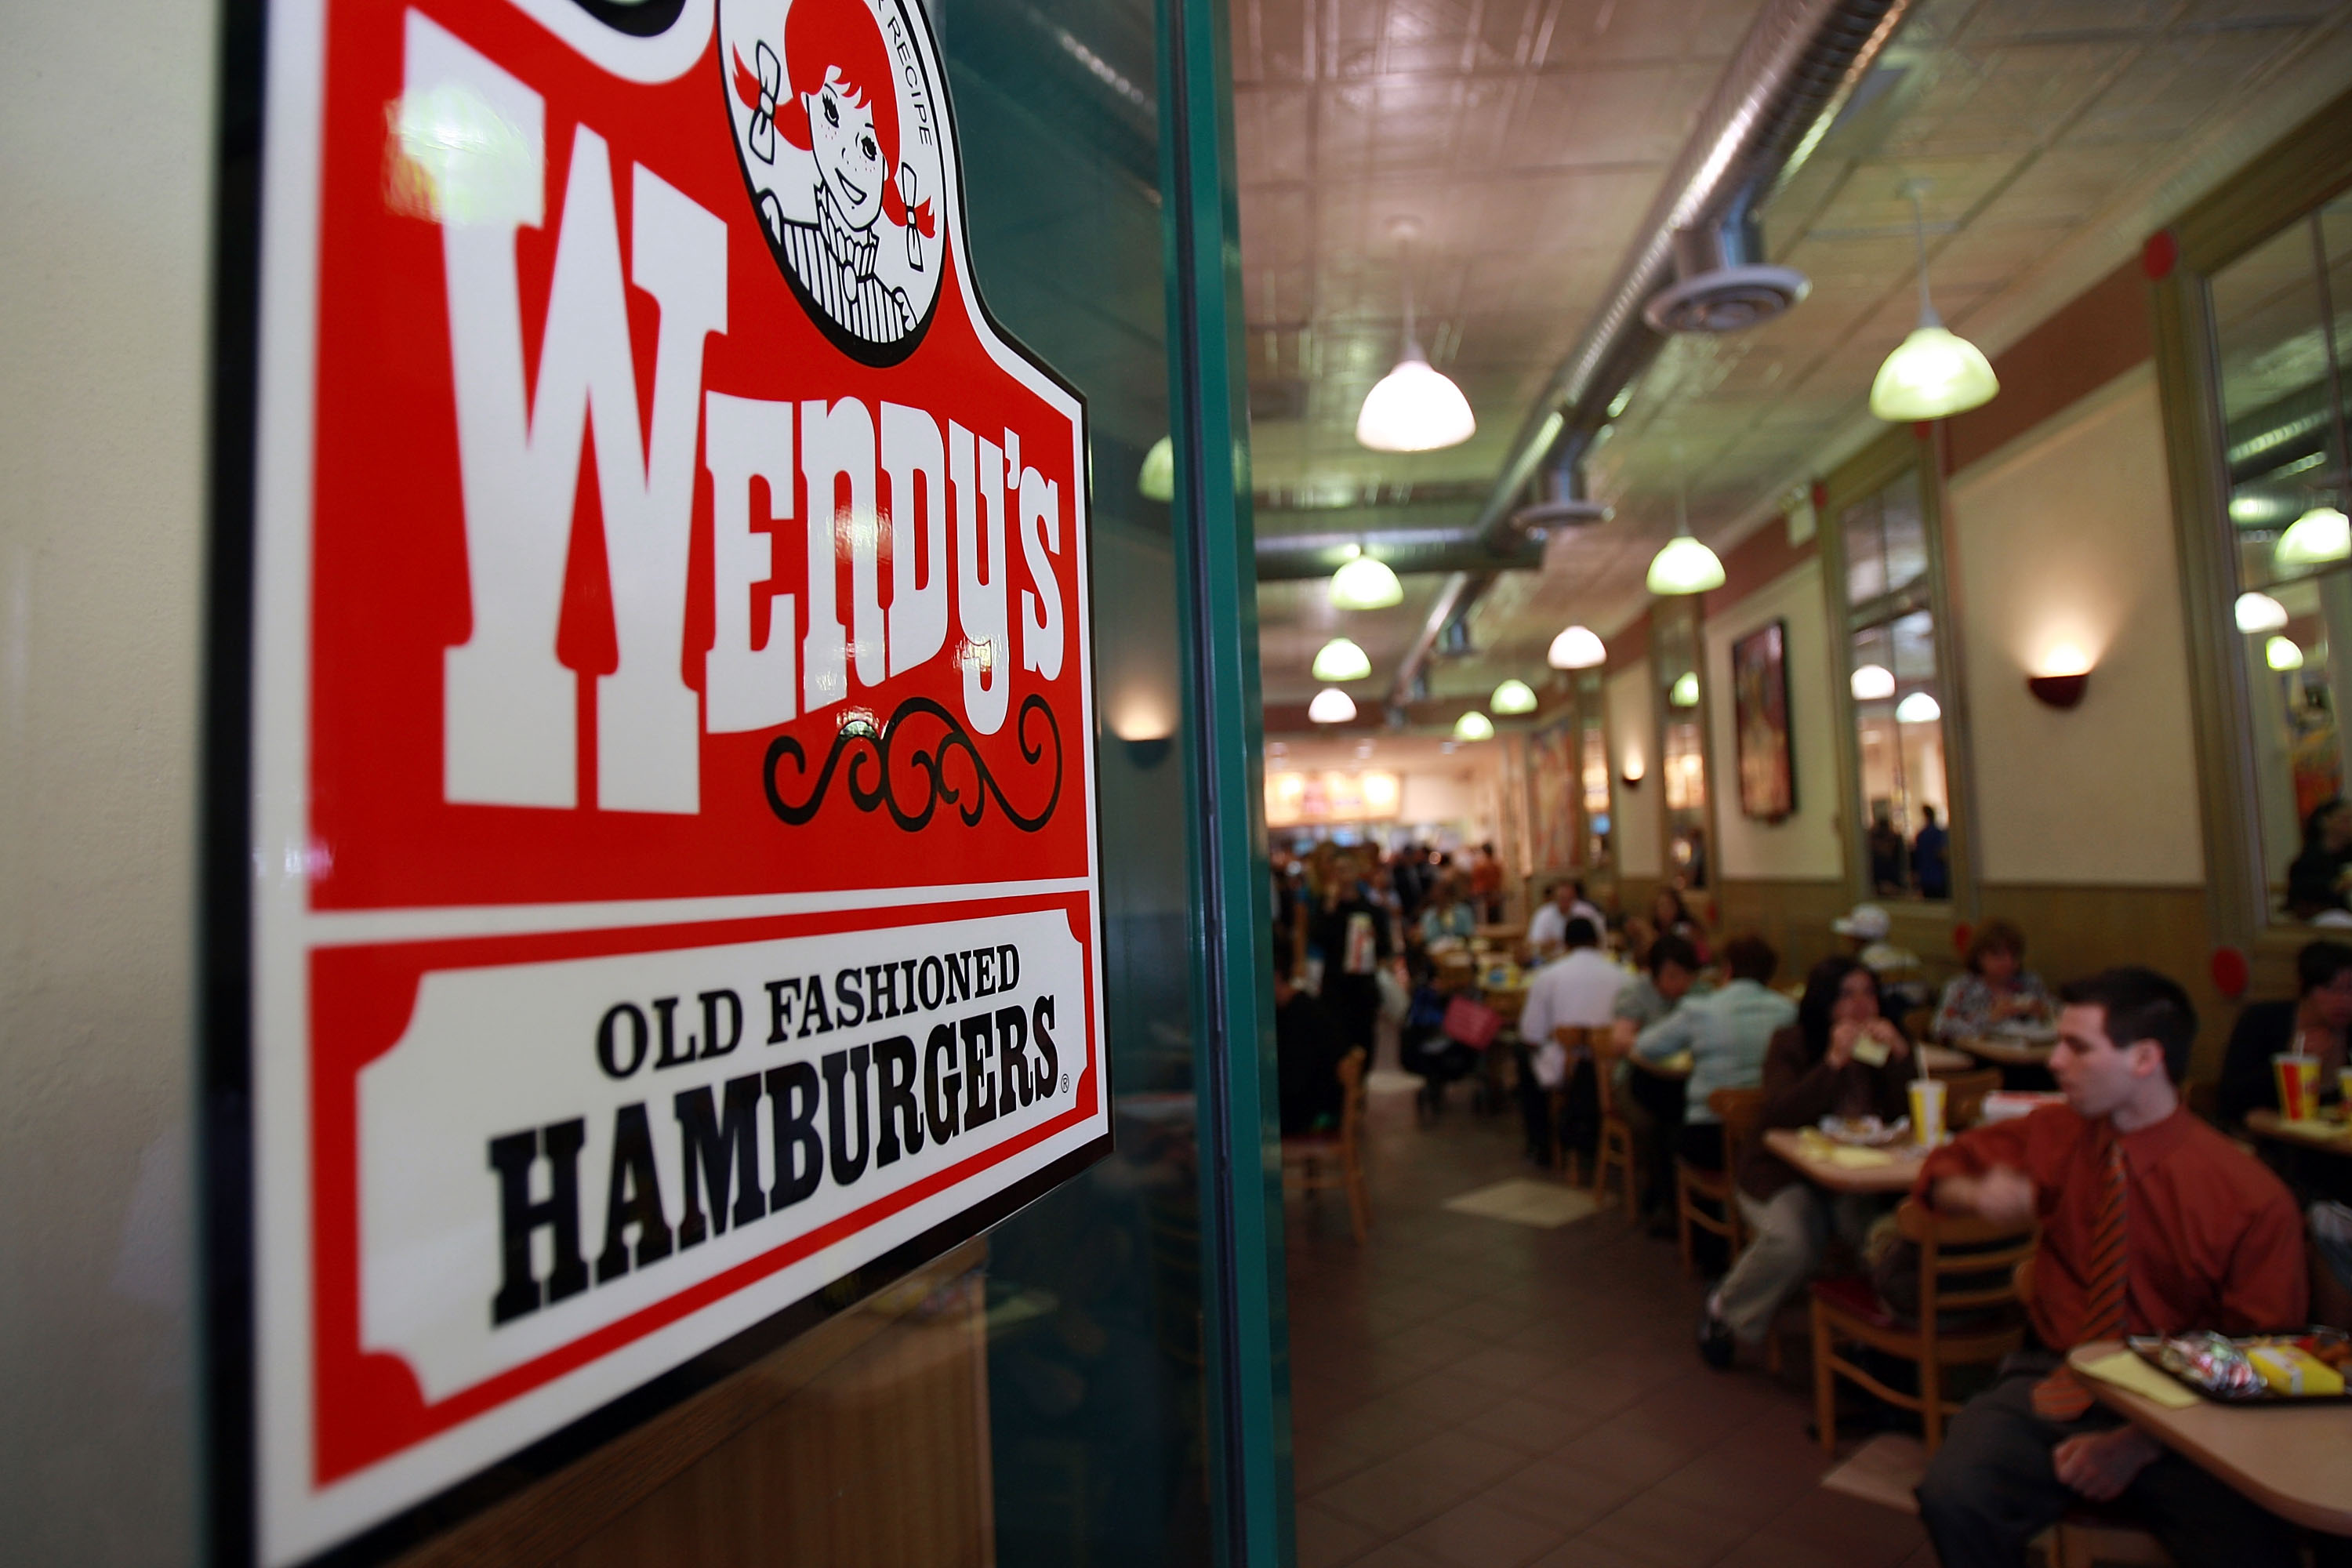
point(1580, 1043)
point(1328, 1161)
point(1848, 1312)
point(1738, 1109)
point(1964, 1095)
point(1616, 1150)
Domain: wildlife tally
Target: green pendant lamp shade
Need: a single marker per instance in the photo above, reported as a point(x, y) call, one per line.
point(1514, 696)
point(1934, 373)
point(2319, 536)
point(1365, 584)
point(1331, 706)
point(1685, 566)
point(1474, 726)
point(1341, 660)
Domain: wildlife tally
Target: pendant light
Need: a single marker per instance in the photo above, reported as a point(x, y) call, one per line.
point(1474, 726)
point(1341, 660)
point(1684, 693)
point(1871, 683)
point(1685, 565)
point(1514, 696)
point(1576, 649)
point(2318, 536)
point(1415, 407)
point(2260, 613)
point(1919, 709)
point(1933, 371)
point(1365, 584)
point(2283, 653)
point(1157, 481)
point(1331, 706)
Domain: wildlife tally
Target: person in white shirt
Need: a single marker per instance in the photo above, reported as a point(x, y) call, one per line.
point(1547, 931)
point(1578, 991)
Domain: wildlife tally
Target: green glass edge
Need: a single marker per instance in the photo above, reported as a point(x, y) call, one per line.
point(1247, 1342)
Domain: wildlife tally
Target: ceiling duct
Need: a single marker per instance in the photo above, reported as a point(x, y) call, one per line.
point(1722, 283)
point(1560, 500)
point(1457, 547)
point(1795, 69)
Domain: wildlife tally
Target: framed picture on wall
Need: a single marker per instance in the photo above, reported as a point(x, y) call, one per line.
point(1759, 687)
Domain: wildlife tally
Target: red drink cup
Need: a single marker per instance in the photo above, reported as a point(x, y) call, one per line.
point(2298, 1086)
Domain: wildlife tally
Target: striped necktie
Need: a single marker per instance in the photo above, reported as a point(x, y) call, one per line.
point(2063, 1396)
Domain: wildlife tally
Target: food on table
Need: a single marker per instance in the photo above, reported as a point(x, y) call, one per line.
point(2210, 1361)
point(2292, 1369)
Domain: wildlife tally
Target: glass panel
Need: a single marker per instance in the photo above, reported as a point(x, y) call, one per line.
point(1865, 553)
point(1596, 794)
point(1899, 737)
point(1682, 747)
point(1035, 1397)
point(1886, 540)
point(1906, 532)
point(1095, 1409)
point(2282, 320)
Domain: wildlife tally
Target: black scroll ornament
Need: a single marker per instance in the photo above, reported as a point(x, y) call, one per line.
point(871, 780)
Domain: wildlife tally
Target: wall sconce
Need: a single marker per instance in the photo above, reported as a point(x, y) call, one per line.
point(1145, 722)
point(1632, 772)
point(2064, 676)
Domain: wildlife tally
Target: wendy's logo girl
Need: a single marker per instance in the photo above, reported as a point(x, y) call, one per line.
point(840, 139)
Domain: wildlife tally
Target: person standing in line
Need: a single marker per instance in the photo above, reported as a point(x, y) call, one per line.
point(1354, 936)
point(1486, 884)
point(1887, 873)
point(1930, 869)
point(2152, 1223)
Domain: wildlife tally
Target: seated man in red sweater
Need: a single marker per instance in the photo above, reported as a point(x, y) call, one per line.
point(2152, 1223)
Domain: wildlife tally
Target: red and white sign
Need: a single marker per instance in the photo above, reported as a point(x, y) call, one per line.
point(674, 865)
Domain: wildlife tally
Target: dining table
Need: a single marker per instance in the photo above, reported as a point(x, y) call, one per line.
point(2295, 1461)
point(2335, 1137)
point(2009, 1050)
point(1846, 1168)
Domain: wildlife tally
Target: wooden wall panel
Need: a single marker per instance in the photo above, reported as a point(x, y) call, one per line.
point(862, 1444)
point(1794, 917)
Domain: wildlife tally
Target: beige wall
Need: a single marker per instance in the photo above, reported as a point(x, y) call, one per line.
point(1633, 733)
point(2065, 535)
point(1433, 798)
point(106, 138)
point(1803, 847)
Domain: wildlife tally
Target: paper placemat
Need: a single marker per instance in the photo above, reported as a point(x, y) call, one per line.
point(2125, 1370)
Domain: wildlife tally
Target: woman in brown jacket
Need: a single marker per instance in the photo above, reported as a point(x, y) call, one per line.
point(1841, 1058)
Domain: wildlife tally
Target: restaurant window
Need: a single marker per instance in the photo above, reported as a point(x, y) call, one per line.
point(1592, 767)
point(2280, 328)
point(1682, 745)
point(1894, 676)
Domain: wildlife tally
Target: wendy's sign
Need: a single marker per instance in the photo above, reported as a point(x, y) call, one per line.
point(672, 885)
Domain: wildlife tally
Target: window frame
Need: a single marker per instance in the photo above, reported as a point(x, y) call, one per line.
point(2279, 187)
point(1905, 449)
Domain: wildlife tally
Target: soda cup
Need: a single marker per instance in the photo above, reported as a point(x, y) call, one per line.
point(2298, 1086)
point(1927, 1112)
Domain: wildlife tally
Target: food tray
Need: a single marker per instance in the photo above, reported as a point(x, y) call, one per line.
point(2146, 1347)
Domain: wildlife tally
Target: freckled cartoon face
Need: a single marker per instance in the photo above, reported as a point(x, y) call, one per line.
point(847, 155)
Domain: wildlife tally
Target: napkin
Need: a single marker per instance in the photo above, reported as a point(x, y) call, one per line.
point(2125, 1370)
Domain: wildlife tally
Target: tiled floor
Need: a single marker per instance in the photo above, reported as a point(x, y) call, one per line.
point(1474, 1393)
